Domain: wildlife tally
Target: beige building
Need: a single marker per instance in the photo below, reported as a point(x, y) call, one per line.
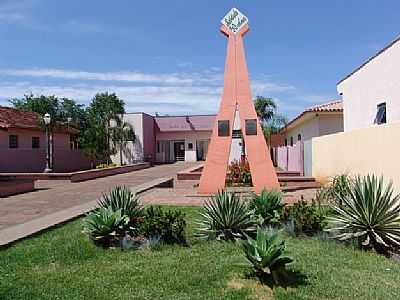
point(370, 143)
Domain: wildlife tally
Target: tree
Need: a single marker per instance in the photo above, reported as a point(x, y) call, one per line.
point(61, 110)
point(103, 108)
point(271, 122)
point(265, 108)
point(122, 133)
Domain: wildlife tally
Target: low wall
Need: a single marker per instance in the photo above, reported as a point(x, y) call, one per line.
point(289, 158)
point(97, 173)
point(75, 176)
point(12, 187)
point(373, 150)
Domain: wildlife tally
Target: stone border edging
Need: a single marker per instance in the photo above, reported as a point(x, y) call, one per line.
point(79, 175)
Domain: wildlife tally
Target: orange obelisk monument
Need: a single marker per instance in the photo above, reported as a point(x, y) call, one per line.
point(236, 96)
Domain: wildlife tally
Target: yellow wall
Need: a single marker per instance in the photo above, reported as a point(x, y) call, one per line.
point(362, 151)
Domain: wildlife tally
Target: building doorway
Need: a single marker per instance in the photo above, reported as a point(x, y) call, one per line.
point(179, 150)
point(201, 149)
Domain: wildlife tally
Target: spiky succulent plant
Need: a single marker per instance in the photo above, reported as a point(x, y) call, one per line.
point(122, 198)
point(105, 226)
point(369, 212)
point(225, 217)
point(267, 206)
point(266, 253)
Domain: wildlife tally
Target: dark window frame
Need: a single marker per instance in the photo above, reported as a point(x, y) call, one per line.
point(35, 142)
point(291, 141)
point(13, 142)
point(299, 137)
point(380, 117)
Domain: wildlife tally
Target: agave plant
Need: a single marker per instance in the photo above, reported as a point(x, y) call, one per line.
point(105, 226)
point(266, 253)
point(370, 212)
point(225, 217)
point(267, 206)
point(121, 198)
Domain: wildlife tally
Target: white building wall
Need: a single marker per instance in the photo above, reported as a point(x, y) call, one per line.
point(376, 82)
point(307, 129)
point(320, 124)
point(132, 152)
point(188, 137)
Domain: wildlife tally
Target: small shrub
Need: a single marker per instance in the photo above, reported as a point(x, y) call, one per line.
point(104, 166)
point(168, 225)
point(239, 173)
point(307, 218)
point(225, 217)
point(370, 213)
point(339, 185)
point(105, 226)
point(267, 207)
point(267, 254)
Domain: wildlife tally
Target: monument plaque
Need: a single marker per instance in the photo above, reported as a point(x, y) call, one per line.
point(234, 20)
point(223, 128)
point(251, 127)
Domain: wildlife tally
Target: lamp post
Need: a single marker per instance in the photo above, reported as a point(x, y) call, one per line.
point(112, 124)
point(47, 120)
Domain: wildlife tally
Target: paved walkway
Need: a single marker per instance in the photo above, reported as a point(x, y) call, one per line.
point(59, 196)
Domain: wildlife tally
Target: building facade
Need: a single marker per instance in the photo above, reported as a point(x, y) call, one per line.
point(164, 139)
point(371, 92)
point(23, 144)
point(315, 121)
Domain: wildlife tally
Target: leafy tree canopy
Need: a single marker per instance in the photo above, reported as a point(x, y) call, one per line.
point(60, 109)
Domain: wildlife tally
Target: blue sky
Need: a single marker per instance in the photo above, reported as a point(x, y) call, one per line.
point(168, 56)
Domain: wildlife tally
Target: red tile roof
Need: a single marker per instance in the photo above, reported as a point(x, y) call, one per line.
point(15, 118)
point(185, 123)
point(332, 106)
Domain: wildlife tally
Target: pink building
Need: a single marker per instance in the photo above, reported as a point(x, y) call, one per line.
point(167, 138)
point(23, 144)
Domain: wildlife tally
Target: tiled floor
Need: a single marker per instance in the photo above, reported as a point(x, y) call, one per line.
point(54, 196)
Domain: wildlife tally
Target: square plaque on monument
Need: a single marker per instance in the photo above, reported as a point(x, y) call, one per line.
point(251, 127)
point(223, 128)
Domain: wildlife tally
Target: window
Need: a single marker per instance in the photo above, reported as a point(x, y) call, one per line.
point(380, 114)
point(285, 142)
point(13, 141)
point(158, 147)
point(190, 146)
point(35, 142)
point(299, 137)
point(291, 141)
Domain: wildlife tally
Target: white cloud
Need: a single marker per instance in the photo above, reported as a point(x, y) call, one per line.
point(196, 92)
point(13, 11)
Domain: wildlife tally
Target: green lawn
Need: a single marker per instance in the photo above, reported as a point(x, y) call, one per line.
point(63, 264)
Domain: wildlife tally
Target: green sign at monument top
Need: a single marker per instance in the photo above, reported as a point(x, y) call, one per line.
point(234, 20)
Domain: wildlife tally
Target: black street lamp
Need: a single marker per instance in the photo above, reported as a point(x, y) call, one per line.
point(47, 120)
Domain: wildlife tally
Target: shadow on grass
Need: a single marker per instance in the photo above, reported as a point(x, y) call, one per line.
point(285, 279)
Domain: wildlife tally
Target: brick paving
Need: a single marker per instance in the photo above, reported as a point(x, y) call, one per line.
point(186, 196)
point(56, 196)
